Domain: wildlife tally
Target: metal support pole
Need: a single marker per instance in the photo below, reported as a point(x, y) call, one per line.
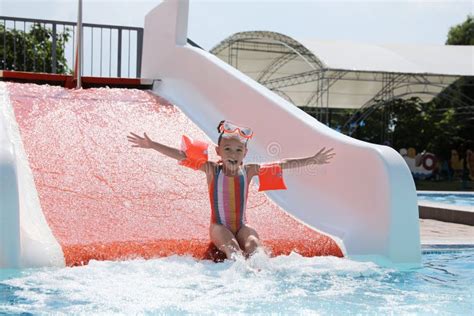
point(327, 101)
point(323, 88)
point(78, 61)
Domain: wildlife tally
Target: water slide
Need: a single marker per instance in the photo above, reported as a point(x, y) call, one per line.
point(73, 190)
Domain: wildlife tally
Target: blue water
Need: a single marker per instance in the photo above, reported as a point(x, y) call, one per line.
point(286, 284)
point(448, 198)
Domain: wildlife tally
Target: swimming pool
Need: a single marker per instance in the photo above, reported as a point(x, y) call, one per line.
point(464, 199)
point(286, 284)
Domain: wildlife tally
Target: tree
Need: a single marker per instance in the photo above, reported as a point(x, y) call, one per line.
point(462, 91)
point(462, 34)
point(32, 50)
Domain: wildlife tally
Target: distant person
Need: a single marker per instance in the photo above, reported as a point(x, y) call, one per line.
point(228, 180)
point(456, 164)
point(446, 172)
point(470, 161)
point(465, 168)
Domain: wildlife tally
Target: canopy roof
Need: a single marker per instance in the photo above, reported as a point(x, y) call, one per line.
point(444, 60)
point(336, 74)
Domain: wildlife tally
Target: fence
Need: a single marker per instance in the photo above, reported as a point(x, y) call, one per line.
point(48, 46)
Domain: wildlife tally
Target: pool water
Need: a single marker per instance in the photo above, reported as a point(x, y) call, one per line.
point(466, 199)
point(285, 284)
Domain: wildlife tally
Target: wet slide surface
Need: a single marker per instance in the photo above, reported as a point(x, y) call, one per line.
point(105, 200)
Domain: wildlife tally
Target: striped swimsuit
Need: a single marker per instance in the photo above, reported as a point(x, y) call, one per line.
point(228, 197)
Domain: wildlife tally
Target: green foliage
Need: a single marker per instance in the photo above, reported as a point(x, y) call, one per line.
point(32, 50)
point(462, 34)
point(431, 126)
point(436, 126)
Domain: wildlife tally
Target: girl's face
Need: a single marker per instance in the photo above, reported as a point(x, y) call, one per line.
point(232, 152)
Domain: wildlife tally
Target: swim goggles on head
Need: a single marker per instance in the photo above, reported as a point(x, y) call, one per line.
point(228, 127)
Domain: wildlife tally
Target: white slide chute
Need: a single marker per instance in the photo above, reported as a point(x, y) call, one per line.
point(365, 198)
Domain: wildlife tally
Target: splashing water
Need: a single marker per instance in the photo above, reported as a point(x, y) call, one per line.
point(284, 284)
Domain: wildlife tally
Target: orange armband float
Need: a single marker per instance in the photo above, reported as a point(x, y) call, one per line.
point(271, 178)
point(196, 153)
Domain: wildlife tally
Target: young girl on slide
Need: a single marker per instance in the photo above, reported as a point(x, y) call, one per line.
point(228, 181)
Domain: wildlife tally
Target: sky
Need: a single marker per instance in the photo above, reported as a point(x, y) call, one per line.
point(211, 21)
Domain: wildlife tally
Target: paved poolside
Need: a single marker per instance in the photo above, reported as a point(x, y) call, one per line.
point(444, 233)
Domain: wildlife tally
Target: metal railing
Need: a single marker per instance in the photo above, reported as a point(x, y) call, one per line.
point(48, 46)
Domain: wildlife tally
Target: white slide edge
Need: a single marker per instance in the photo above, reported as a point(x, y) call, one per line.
point(26, 238)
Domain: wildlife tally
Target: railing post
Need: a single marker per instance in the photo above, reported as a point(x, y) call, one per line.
point(4, 67)
point(14, 46)
point(119, 53)
point(139, 52)
point(53, 51)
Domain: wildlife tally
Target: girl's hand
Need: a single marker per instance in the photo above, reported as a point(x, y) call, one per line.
point(323, 156)
point(141, 142)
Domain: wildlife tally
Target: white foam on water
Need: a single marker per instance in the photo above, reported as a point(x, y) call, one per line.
point(284, 284)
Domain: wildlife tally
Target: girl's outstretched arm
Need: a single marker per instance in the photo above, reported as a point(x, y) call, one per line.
point(146, 142)
point(322, 157)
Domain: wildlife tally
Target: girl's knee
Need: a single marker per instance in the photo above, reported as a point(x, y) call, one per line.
point(251, 244)
point(253, 240)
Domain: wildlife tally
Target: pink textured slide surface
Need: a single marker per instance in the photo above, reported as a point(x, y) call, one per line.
point(105, 200)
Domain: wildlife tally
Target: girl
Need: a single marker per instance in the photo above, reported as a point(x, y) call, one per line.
point(228, 181)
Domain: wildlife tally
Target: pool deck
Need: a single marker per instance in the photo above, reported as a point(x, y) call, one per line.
point(433, 232)
point(459, 214)
point(446, 224)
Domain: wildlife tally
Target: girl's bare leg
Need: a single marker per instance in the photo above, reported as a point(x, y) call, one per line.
point(248, 239)
point(224, 240)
